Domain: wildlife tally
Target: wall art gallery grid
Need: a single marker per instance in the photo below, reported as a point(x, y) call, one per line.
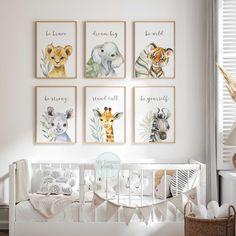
point(105, 59)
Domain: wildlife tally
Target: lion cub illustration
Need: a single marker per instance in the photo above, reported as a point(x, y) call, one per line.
point(58, 56)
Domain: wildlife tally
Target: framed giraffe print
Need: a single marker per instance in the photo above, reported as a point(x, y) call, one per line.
point(105, 115)
point(105, 49)
point(154, 49)
point(55, 114)
point(154, 114)
point(56, 49)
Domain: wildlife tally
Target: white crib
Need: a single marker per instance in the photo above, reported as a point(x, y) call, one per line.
point(117, 227)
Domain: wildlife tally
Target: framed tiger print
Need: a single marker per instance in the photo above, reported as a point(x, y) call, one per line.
point(154, 114)
point(105, 49)
point(105, 115)
point(55, 114)
point(56, 49)
point(154, 50)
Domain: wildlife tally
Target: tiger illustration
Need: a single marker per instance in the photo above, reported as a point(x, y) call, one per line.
point(151, 61)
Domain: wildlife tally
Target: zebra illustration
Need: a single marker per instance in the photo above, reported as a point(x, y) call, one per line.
point(160, 125)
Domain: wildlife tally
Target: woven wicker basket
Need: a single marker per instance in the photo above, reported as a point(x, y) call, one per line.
point(209, 227)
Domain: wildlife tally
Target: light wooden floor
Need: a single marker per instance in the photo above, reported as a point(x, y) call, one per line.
point(3, 232)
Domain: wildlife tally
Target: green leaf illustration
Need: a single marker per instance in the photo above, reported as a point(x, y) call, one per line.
point(47, 133)
point(146, 126)
point(45, 65)
point(96, 129)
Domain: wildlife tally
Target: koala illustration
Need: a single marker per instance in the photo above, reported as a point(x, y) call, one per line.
point(59, 125)
point(103, 61)
point(58, 56)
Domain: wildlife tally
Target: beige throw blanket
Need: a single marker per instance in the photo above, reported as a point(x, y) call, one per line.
point(22, 180)
point(51, 205)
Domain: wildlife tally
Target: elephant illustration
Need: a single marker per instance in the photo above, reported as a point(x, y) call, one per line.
point(103, 61)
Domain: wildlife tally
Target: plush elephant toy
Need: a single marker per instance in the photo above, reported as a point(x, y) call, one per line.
point(103, 61)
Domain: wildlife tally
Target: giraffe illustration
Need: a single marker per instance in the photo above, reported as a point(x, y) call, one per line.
point(107, 119)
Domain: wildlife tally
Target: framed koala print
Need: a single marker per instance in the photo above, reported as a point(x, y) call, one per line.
point(154, 114)
point(105, 49)
point(154, 49)
point(105, 115)
point(56, 49)
point(55, 114)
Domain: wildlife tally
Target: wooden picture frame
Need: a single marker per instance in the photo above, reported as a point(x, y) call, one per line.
point(154, 114)
point(154, 50)
point(56, 49)
point(55, 114)
point(105, 49)
point(105, 114)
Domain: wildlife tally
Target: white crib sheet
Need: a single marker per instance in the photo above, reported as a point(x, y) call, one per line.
point(26, 213)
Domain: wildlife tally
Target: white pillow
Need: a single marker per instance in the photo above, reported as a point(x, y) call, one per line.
point(58, 181)
point(134, 182)
point(185, 181)
point(160, 189)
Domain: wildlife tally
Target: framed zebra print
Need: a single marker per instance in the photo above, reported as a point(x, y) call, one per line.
point(154, 114)
point(154, 49)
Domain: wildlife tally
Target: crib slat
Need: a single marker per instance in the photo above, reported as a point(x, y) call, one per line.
point(177, 184)
point(81, 192)
point(118, 195)
point(95, 188)
point(106, 185)
point(141, 187)
point(95, 181)
point(153, 186)
point(188, 179)
point(129, 187)
point(118, 188)
point(164, 184)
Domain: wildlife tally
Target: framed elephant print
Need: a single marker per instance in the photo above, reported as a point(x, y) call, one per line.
point(154, 114)
point(105, 49)
point(154, 50)
point(105, 115)
point(55, 113)
point(56, 49)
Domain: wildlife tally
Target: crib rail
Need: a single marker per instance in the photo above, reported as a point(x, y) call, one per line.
point(141, 168)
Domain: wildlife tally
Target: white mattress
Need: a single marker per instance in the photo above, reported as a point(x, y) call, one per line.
point(26, 213)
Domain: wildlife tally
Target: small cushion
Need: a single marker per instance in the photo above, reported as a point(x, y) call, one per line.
point(160, 189)
point(160, 173)
point(184, 179)
point(58, 181)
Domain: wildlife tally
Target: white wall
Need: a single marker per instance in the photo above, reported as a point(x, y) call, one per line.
point(17, 78)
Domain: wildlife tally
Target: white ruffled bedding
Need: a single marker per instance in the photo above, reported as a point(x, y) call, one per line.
point(26, 213)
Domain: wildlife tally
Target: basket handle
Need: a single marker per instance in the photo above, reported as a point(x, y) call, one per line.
point(191, 208)
point(234, 211)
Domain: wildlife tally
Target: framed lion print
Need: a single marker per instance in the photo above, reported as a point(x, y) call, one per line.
point(55, 114)
point(105, 115)
point(56, 49)
point(105, 49)
point(154, 50)
point(154, 114)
